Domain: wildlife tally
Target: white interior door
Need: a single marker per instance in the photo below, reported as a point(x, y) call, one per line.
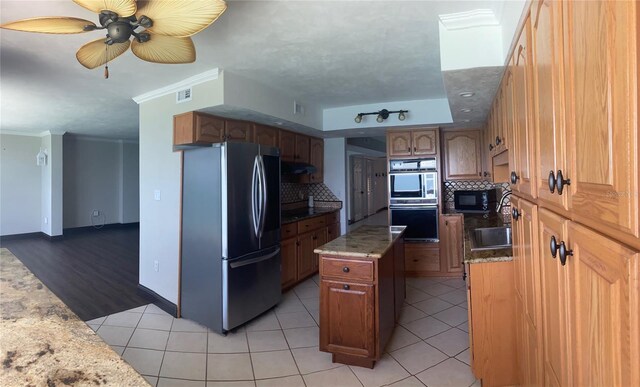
point(358, 201)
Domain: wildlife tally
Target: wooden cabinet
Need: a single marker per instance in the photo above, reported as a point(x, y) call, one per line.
point(557, 359)
point(289, 257)
point(306, 257)
point(604, 286)
point(523, 153)
point(410, 144)
point(492, 323)
point(451, 243)
point(265, 135)
point(422, 259)
point(551, 135)
point(333, 231)
point(197, 128)
point(238, 131)
point(462, 155)
point(302, 149)
point(287, 144)
point(316, 158)
point(319, 238)
point(601, 81)
point(359, 301)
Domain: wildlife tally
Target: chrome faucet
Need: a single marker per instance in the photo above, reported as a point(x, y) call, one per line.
point(501, 202)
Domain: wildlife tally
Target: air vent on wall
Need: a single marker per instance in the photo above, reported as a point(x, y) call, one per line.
point(183, 95)
point(298, 108)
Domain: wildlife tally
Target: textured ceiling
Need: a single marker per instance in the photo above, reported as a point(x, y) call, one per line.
point(331, 53)
point(483, 82)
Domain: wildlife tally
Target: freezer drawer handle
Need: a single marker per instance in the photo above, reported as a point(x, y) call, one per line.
point(254, 260)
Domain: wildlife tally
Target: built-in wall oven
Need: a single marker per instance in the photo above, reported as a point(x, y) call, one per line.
point(413, 198)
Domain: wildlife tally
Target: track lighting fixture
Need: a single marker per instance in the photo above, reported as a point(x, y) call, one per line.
point(382, 115)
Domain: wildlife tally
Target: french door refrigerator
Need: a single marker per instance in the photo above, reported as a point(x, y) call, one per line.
point(230, 234)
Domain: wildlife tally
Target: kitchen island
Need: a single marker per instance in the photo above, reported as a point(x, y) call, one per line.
point(43, 343)
point(362, 289)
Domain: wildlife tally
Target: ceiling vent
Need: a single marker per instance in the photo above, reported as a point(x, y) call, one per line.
point(183, 95)
point(298, 109)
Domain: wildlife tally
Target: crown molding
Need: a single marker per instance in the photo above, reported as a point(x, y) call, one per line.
point(28, 134)
point(174, 87)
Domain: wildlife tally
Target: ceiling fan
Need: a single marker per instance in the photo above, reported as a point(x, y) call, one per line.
point(165, 36)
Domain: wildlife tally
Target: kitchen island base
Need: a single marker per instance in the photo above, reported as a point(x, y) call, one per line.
point(362, 288)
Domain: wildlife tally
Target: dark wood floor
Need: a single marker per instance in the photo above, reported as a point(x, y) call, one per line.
point(94, 272)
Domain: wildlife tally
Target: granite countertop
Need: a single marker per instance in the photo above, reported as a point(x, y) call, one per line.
point(43, 343)
point(473, 221)
point(363, 242)
point(289, 216)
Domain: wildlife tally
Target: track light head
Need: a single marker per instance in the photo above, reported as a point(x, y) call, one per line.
point(401, 116)
point(358, 119)
point(380, 118)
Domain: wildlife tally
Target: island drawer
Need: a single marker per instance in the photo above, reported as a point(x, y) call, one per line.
point(289, 230)
point(348, 269)
point(311, 224)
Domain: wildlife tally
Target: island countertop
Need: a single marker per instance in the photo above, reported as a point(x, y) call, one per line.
point(43, 343)
point(363, 242)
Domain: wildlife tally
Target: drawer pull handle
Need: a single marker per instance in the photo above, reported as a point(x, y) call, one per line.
point(346, 287)
point(345, 269)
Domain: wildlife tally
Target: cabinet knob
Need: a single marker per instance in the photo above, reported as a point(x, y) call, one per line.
point(560, 181)
point(346, 287)
point(345, 269)
point(552, 182)
point(498, 140)
point(409, 149)
point(414, 149)
point(564, 253)
point(553, 246)
point(514, 177)
point(490, 146)
point(515, 214)
point(446, 222)
point(485, 173)
point(480, 174)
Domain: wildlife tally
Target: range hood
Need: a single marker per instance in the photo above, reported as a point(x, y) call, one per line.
point(295, 168)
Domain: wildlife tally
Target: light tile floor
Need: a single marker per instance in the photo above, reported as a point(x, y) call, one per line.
point(430, 345)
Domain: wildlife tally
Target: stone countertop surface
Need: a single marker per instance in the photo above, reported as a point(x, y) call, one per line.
point(473, 221)
point(290, 216)
point(363, 242)
point(43, 343)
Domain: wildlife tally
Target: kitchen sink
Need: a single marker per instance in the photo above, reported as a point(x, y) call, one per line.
point(490, 238)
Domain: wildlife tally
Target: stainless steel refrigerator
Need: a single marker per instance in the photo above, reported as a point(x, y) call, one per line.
point(230, 234)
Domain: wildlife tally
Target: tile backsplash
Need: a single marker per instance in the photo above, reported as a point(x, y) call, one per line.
point(473, 185)
point(295, 192)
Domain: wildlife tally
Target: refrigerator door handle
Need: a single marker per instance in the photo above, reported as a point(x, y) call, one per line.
point(251, 261)
point(263, 204)
point(254, 199)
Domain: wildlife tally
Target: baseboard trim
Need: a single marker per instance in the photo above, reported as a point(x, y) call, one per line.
point(28, 235)
point(110, 226)
point(159, 301)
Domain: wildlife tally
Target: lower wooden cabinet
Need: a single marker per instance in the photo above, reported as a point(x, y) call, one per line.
point(451, 243)
point(306, 257)
point(289, 262)
point(439, 259)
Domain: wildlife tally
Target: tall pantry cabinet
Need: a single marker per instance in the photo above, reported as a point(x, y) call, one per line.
point(576, 227)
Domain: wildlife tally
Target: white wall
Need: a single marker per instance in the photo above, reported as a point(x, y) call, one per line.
point(92, 169)
point(20, 184)
point(471, 47)
point(510, 17)
point(335, 177)
point(130, 183)
point(52, 186)
point(160, 170)
point(421, 112)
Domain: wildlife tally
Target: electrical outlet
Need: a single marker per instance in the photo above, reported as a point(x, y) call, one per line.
point(156, 194)
point(156, 266)
point(96, 213)
point(46, 220)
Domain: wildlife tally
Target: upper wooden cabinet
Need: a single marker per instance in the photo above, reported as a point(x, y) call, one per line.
point(302, 149)
point(601, 73)
point(265, 135)
point(197, 128)
point(462, 155)
point(287, 144)
point(551, 134)
point(316, 158)
point(238, 131)
point(412, 144)
point(523, 153)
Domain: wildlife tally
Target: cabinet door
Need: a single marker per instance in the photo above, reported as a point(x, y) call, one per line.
point(316, 158)
point(557, 361)
point(333, 231)
point(424, 142)
point(347, 320)
point(549, 101)
point(523, 152)
point(306, 256)
point(508, 111)
point(289, 256)
point(287, 144)
point(399, 144)
point(209, 128)
point(602, 82)
point(451, 242)
point(265, 135)
point(302, 148)
point(319, 238)
point(462, 155)
point(604, 278)
point(238, 131)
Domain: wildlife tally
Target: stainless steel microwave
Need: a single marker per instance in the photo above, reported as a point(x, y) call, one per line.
point(413, 182)
point(481, 201)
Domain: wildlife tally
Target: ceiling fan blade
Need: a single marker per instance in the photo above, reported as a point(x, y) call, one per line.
point(97, 53)
point(180, 17)
point(123, 8)
point(165, 49)
point(49, 25)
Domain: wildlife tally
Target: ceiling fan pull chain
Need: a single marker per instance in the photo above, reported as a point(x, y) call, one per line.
point(106, 65)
